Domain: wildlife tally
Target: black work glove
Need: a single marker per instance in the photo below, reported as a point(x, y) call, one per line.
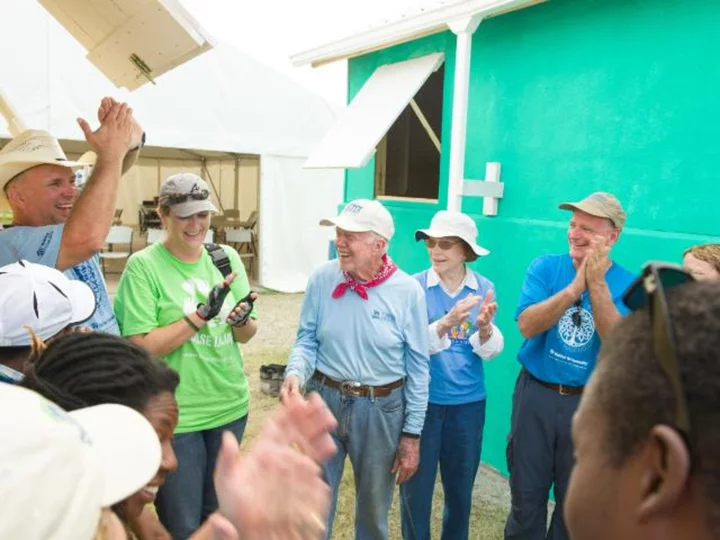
point(212, 306)
point(239, 319)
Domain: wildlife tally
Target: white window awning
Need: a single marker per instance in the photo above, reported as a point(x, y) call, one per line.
point(133, 41)
point(352, 141)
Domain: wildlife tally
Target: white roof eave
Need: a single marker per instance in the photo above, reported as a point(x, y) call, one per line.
point(407, 28)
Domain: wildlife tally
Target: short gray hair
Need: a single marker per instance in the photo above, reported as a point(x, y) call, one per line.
point(372, 236)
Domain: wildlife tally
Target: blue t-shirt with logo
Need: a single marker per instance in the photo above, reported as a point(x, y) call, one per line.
point(566, 353)
point(456, 374)
point(41, 245)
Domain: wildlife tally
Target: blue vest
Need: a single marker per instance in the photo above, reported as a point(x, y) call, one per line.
point(456, 374)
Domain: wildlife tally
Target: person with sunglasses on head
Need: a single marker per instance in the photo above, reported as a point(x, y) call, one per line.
point(703, 262)
point(362, 344)
point(54, 226)
point(646, 434)
point(461, 308)
point(567, 306)
point(173, 300)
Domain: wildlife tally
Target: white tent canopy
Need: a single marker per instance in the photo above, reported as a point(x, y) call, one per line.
point(221, 101)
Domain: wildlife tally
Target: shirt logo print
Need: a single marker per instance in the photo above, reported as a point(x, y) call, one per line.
point(572, 335)
point(382, 316)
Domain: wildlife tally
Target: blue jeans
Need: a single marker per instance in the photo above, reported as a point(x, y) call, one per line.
point(187, 498)
point(452, 437)
point(539, 454)
point(368, 432)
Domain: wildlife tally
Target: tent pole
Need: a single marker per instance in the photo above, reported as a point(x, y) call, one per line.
point(237, 183)
point(207, 176)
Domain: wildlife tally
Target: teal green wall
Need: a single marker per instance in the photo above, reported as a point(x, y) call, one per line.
point(574, 96)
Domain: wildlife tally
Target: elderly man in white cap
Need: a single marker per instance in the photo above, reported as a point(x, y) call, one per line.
point(51, 224)
point(568, 304)
point(461, 307)
point(38, 299)
point(362, 343)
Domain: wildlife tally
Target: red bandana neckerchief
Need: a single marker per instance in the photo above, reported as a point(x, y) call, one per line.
point(350, 282)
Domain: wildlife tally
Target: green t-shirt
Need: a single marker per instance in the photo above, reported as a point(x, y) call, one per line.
point(156, 290)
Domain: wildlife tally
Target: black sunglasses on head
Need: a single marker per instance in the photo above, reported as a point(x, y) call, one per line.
point(649, 289)
point(196, 195)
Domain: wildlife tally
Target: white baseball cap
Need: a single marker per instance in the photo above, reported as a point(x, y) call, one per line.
point(29, 149)
point(41, 298)
point(363, 215)
point(187, 193)
point(447, 224)
point(59, 470)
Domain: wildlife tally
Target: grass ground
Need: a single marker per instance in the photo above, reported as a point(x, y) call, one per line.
point(278, 319)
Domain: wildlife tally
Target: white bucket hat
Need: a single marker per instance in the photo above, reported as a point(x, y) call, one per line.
point(41, 298)
point(59, 470)
point(363, 215)
point(30, 149)
point(187, 193)
point(448, 224)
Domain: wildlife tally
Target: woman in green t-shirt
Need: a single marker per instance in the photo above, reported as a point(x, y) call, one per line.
point(173, 301)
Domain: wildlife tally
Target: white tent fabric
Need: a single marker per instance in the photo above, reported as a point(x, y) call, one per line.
point(288, 208)
point(223, 101)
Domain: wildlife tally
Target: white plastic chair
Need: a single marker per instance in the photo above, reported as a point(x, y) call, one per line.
point(238, 236)
point(118, 234)
point(244, 242)
point(155, 235)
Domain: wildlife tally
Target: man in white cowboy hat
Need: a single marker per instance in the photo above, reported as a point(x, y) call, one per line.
point(51, 224)
point(362, 344)
point(568, 304)
point(38, 299)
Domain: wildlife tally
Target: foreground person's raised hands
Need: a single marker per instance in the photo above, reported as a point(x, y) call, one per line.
point(276, 490)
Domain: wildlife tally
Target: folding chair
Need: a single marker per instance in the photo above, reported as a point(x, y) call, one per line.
point(117, 235)
point(155, 235)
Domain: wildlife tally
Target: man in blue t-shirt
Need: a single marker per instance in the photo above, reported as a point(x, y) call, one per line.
point(51, 224)
point(568, 304)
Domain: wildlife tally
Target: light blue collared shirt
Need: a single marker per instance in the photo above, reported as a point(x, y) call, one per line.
point(373, 342)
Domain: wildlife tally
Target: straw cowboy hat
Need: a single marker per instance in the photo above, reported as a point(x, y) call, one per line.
point(30, 149)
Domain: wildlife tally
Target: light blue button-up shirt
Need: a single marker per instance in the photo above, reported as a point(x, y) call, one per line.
point(373, 342)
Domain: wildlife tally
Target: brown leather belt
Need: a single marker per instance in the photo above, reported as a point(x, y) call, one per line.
point(560, 388)
point(352, 388)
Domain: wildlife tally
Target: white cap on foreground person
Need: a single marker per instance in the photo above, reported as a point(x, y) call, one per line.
point(42, 299)
point(36, 303)
point(59, 470)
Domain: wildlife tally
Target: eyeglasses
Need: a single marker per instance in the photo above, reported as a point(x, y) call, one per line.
point(177, 198)
point(442, 244)
point(577, 314)
point(649, 289)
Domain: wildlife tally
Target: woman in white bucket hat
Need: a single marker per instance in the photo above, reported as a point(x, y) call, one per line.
point(461, 307)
